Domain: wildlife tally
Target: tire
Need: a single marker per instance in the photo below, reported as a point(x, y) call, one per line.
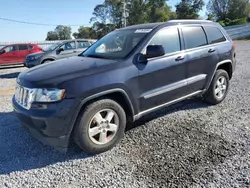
point(212, 95)
point(89, 119)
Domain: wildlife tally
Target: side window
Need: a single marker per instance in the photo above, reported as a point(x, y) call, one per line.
point(30, 47)
point(69, 46)
point(214, 35)
point(10, 49)
point(194, 37)
point(22, 47)
point(168, 38)
point(83, 44)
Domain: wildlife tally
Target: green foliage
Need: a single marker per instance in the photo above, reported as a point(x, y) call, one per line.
point(85, 33)
point(189, 9)
point(228, 22)
point(61, 32)
point(235, 10)
point(52, 35)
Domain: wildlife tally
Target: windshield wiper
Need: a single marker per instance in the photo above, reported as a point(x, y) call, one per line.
point(96, 56)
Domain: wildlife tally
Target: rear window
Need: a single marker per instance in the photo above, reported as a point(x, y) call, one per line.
point(30, 47)
point(194, 37)
point(214, 35)
point(23, 47)
point(83, 44)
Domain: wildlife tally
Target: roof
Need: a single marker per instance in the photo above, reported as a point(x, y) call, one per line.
point(168, 23)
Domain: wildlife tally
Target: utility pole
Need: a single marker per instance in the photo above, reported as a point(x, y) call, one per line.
point(124, 13)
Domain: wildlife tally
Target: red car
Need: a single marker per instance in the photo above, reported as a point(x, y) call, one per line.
point(16, 53)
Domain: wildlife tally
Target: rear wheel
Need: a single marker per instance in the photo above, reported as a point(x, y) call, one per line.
point(218, 88)
point(100, 126)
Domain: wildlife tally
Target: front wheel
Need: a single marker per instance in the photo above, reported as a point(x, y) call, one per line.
point(100, 126)
point(218, 89)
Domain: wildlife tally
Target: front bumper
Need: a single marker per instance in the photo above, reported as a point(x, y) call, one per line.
point(51, 126)
point(32, 63)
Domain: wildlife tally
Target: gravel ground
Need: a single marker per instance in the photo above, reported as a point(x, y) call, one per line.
point(189, 144)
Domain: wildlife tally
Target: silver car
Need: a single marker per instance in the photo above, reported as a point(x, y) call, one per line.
point(59, 50)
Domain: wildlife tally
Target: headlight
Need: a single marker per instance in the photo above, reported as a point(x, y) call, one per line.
point(36, 57)
point(49, 95)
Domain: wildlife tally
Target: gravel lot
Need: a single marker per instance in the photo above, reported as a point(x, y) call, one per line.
point(189, 144)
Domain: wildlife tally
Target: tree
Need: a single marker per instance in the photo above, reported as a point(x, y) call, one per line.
point(231, 9)
point(63, 32)
point(85, 33)
point(159, 11)
point(52, 35)
point(238, 9)
point(189, 9)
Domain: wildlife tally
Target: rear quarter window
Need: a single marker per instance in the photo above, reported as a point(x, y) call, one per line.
point(30, 47)
point(22, 47)
point(194, 36)
point(214, 35)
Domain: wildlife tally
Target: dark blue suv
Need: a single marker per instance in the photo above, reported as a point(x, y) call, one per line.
point(125, 75)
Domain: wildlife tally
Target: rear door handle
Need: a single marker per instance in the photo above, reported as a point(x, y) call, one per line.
point(179, 58)
point(211, 50)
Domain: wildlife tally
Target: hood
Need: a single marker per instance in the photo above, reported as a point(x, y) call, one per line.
point(54, 73)
point(36, 53)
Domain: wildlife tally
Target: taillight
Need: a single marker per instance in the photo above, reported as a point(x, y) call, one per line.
point(234, 50)
point(234, 46)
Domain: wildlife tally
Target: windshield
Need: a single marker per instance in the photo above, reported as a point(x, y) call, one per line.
point(116, 45)
point(52, 47)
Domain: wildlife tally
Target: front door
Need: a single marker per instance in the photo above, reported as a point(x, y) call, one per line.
point(69, 49)
point(8, 55)
point(163, 79)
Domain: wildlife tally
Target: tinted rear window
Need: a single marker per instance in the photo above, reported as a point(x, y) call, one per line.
point(23, 47)
point(214, 35)
point(194, 37)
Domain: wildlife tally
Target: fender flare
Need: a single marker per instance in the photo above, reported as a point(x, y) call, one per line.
point(100, 94)
point(218, 64)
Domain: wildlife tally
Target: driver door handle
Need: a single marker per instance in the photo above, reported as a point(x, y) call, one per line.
point(211, 50)
point(179, 58)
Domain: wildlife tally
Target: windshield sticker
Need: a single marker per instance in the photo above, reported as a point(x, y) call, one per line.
point(143, 30)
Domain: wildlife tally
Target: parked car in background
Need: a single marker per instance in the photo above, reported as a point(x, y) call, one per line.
point(16, 53)
point(59, 50)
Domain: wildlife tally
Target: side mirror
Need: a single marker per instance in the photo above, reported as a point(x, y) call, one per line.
point(155, 51)
point(2, 51)
point(60, 50)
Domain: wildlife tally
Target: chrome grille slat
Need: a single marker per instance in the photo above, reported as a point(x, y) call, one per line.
point(22, 96)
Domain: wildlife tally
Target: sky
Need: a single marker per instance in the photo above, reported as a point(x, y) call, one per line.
point(64, 12)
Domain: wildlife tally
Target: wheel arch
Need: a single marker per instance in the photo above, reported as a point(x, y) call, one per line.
point(48, 58)
point(226, 65)
point(118, 95)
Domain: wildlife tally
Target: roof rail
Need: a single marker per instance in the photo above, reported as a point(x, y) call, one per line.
point(190, 20)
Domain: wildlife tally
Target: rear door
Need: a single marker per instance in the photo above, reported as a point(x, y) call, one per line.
point(23, 51)
point(9, 56)
point(69, 50)
point(201, 56)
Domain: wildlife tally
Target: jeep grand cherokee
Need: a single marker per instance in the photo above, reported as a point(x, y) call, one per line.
point(128, 73)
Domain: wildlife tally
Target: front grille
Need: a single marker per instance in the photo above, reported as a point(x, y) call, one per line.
point(22, 96)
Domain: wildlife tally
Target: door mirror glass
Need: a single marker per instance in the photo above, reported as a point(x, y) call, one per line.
point(155, 51)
